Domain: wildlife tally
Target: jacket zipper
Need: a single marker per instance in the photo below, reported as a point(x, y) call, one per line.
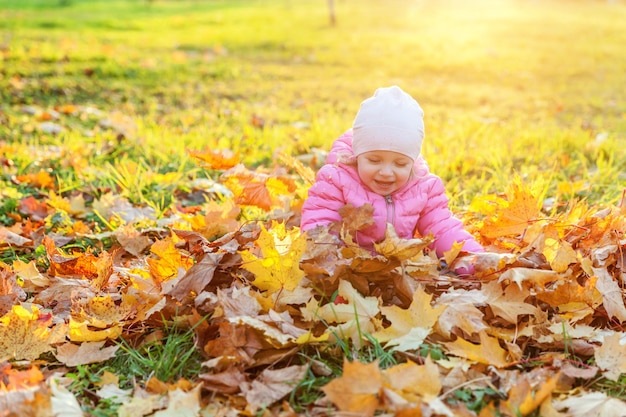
point(391, 210)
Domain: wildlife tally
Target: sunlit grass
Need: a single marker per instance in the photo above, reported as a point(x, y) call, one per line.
point(507, 86)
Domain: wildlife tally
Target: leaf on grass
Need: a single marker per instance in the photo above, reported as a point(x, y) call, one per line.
point(80, 332)
point(35, 209)
point(140, 405)
point(611, 356)
point(257, 188)
point(612, 294)
point(132, 240)
point(218, 160)
point(510, 303)
point(41, 179)
point(358, 389)
point(272, 385)
point(414, 382)
point(182, 404)
point(27, 334)
point(488, 351)
point(168, 262)
point(85, 353)
point(64, 403)
point(514, 215)
point(591, 404)
point(410, 325)
point(197, 278)
point(278, 267)
point(524, 398)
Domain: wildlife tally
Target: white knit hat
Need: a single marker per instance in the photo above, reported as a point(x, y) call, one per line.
point(390, 120)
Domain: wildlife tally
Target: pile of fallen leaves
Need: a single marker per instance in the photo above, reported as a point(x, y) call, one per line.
point(539, 322)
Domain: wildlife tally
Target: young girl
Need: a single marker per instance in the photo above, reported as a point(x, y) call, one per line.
point(378, 162)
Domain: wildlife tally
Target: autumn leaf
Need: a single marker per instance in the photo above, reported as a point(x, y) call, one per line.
point(27, 334)
point(41, 179)
point(401, 249)
point(80, 331)
point(169, 261)
point(488, 351)
point(510, 303)
point(257, 188)
point(513, 215)
point(586, 404)
point(524, 398)
point(414, 382)
point(409, 327)
point(222, 159)
point(278, 266)
point(272, 385)
point(358, 389)
point(89, 352)
point(356, 218)
point(612, 294)
point(611, 356)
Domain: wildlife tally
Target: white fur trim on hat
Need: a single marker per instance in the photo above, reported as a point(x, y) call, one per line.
point(390, 120)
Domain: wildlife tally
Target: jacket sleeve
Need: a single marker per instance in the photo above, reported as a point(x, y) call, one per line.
point(324, 200)
point(436, 218)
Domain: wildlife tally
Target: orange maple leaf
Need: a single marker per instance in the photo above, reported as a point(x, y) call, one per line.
point(513, 215)
point(224, 159)
point(257, 188)
point(169, 261)
point(358, 389)
point(41, 179)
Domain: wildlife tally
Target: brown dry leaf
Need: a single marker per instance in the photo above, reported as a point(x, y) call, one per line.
point(197, 278)
point(356, 218)
point(409, 325)
point(133, 241)
point(401, 249)
point(35, 209)
point(510, 303)
point(170, 260)
point(74, 355)
point(513, 215)
point(461, 311)
point(488, 351)
point(611, 356)
point(358, 389)
point(591, 404)
point(27, 334)
point(279, 265)
point(225, 382)
point(272, 385)
point(612, 294)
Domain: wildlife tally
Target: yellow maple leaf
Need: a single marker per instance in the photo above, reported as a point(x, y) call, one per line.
point(513, 215)
point(404, 322)
point(488, 351)
point(524, 399)
point(279, 265)
point(80, 332)
point(169, 260)
point(26, 334)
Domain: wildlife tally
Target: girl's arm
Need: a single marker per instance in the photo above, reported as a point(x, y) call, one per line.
point(324, 200)
point(436, 218)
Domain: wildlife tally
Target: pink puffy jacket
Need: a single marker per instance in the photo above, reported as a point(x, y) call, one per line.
point(421, 203)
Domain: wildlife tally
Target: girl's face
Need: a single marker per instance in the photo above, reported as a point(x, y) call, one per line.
point(384, 172)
